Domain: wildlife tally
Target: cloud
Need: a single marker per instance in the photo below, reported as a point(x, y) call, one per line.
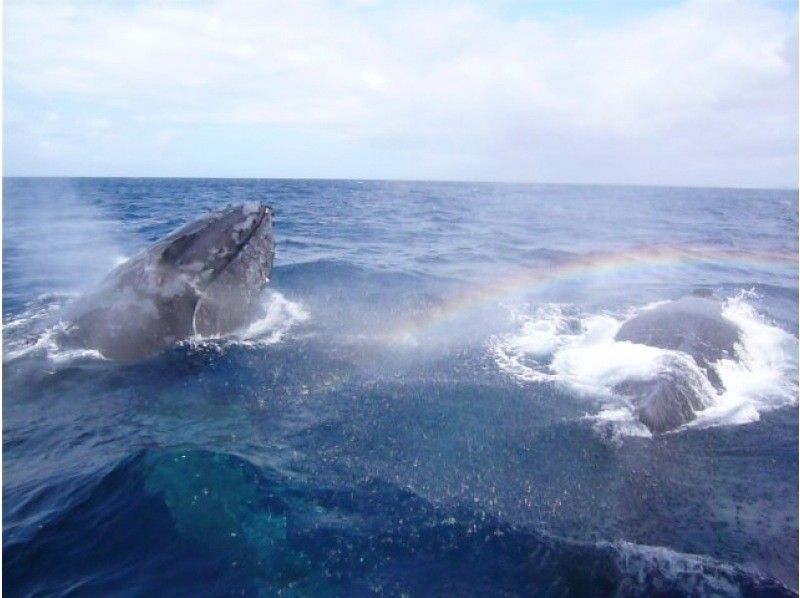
point(703, 92)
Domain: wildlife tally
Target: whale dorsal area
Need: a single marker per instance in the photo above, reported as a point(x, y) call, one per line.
point(693, 325)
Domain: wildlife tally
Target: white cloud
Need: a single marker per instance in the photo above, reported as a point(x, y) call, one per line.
point(701, 93)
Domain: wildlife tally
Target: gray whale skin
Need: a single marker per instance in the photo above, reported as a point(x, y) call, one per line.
point(695, 326)
point(205, 278)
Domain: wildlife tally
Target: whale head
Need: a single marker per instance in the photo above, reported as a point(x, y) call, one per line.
point(205, 278)
point(226, 256)
point(234, 245)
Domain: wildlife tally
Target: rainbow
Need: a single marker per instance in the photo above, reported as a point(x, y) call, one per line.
point(596, 264)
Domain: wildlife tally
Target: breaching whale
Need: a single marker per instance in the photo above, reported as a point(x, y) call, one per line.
point(695, 327)
point(203, 279)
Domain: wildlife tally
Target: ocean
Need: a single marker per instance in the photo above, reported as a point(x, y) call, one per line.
point(427, 406)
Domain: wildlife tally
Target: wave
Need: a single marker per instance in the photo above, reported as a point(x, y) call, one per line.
point(345, 274)
point(198, 521)
point(187, 518)
point(557, 343)
point(649, 570)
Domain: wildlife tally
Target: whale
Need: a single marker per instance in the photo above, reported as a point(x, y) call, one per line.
point(698, 334)
point(206, 278)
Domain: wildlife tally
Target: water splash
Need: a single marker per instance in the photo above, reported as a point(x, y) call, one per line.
point(580, 352)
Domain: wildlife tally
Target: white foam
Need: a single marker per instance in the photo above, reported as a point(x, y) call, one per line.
point(541, 334)
point(596, 365)
point(619, 421)
point(691, 573)
point(46, 344)
point(279, 317)
point(26, 333)
point(36, 311)
point(762, 377)
point(580, 353)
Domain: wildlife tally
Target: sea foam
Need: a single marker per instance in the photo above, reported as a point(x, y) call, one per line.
point(555, 344)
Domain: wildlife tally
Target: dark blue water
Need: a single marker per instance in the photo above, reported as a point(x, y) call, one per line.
point(381, 433)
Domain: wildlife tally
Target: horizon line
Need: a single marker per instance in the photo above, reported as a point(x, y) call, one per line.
point(409, 180)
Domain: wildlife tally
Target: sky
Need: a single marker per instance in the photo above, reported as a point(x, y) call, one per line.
point(696, 93)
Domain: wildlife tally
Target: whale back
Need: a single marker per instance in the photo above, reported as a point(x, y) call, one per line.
point(693, 325)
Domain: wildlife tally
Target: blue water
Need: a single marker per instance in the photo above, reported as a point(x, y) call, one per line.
point(346, 449)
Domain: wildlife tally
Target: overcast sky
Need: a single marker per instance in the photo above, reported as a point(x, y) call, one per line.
point(680, 93)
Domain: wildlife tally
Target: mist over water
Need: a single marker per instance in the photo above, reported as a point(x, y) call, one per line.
point(62, 242)
point(378, 430)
